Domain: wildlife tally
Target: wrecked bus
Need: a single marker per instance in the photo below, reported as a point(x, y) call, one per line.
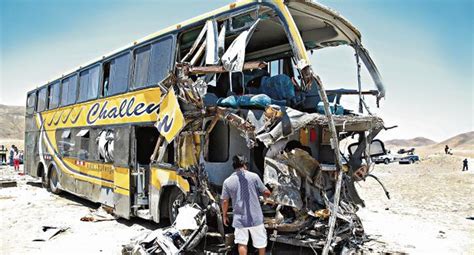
point(153, 126)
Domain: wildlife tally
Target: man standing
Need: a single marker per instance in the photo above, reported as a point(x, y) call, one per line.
point(465, 167)
point(12, 153)
point(243, 188)
point(446, 149)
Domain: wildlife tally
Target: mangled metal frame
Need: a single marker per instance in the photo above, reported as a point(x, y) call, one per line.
point(317, 229)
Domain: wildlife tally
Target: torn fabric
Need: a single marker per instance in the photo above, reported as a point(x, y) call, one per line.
point(211, 43)
point(233, 58)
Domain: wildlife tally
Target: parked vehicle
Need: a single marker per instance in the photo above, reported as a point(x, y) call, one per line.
point(386, 159)
point(409, 159)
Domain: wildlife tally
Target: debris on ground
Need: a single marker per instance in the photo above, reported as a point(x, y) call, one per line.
point(183, 235)
point(100, 214)
point(48, 232)
point(7, 183)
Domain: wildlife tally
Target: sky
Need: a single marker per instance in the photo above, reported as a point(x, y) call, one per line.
point(423, 49)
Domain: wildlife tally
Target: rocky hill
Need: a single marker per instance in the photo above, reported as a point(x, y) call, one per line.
point(414, 142)
point(12, 122)
point(462, 141)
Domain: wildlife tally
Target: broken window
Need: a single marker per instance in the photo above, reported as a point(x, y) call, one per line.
point(152, 63)
point(83, 138)
point(162, 59)
point(65, 144)
point(218, 145)
point(105, 79)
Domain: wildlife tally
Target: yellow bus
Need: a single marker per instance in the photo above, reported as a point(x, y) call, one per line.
point(143, 128)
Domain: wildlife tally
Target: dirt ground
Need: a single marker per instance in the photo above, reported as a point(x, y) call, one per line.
point(430, 212)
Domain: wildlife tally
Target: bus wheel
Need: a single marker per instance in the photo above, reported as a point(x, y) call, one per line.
point(42, 173)
point(176, 200)
point(54, 181)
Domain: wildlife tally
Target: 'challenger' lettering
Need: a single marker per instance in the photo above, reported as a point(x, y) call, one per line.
point(126, 108)
point(164, 126)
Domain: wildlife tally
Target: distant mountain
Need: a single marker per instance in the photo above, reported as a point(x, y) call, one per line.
point(12, 122)
point(461, 141)
point(414, 142)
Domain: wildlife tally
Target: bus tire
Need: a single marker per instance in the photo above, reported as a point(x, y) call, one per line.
point(42, 173)
point(54, 180)
point(176, 200)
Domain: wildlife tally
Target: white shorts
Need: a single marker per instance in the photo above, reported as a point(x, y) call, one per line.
point(258, 233)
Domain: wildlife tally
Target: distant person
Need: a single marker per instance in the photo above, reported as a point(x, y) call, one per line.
point(12, 153)
point(3, 154)
point(446, 149)
point(465, 167)
point(16, 160)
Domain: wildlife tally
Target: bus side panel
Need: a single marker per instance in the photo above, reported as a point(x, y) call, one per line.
point(31, 146)
point(122, 189)
point(122, 202)
point(160, 177)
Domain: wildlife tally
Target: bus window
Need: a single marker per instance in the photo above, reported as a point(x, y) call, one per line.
point(105, 80)
point(275, 67)
point(141, 65)
point(31, 103)
point(42, 99)
point(117, 81)
point(153, 63)
point(69, 90)
point(218, 145)
point(65, 144)
point(89, 84)
point(53, 97)
point(82, 138)
point(162, 59)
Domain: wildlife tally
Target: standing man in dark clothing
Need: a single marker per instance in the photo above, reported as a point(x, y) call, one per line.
point(243, 188)
point(465, 167)
point(12, 153)
point(3, 154)
point(446, 149)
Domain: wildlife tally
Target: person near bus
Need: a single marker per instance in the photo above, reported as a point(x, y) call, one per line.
point(3, 154)
point(16, 159)
point(243, 189)
point(11, 154)
point(465, 166)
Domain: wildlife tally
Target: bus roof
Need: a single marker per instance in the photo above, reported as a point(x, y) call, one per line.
point(200, 18)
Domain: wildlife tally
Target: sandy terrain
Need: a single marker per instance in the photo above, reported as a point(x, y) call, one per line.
point(431, 208)
point(428, 214)
point(28, 207)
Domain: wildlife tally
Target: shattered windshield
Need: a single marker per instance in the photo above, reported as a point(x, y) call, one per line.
point(338, 69)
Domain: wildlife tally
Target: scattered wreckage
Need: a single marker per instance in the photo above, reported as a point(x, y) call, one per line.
point(291, 130)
